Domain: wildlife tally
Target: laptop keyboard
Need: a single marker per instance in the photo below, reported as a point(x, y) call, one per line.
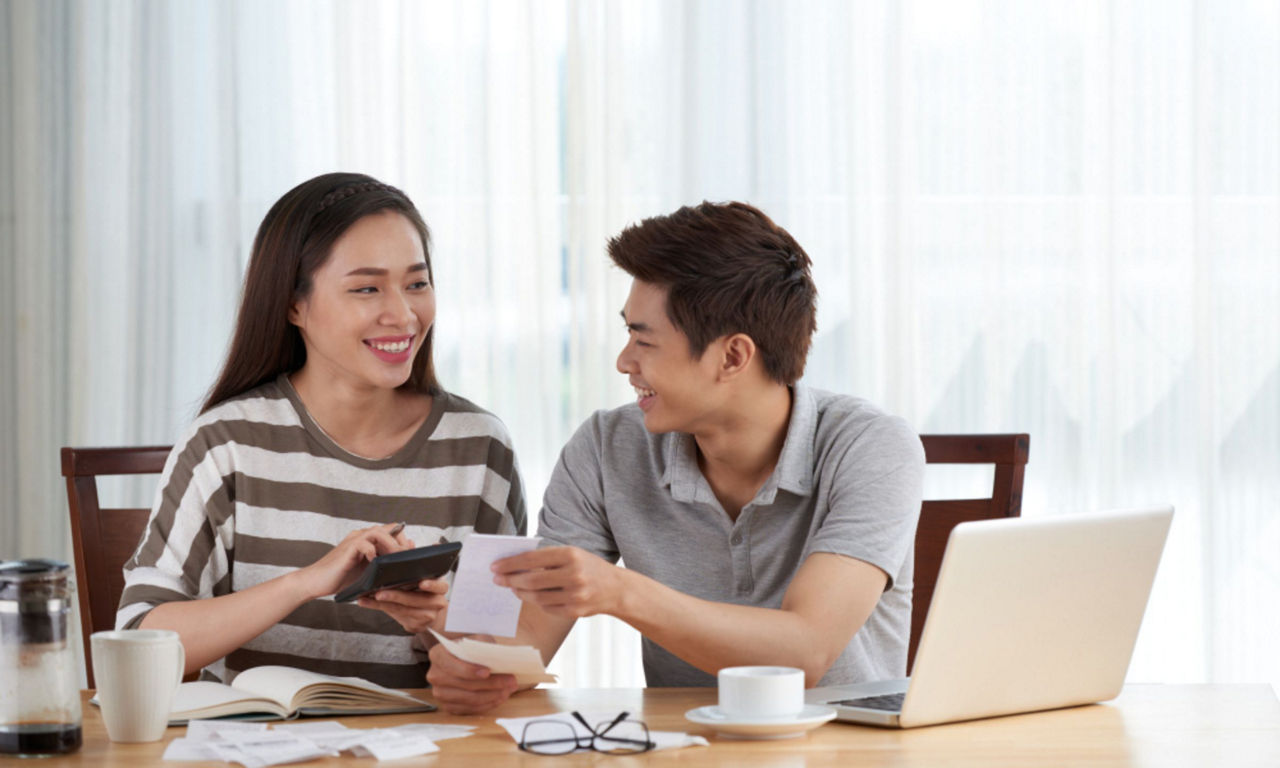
point(889, 702)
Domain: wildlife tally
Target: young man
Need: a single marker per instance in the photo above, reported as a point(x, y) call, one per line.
point(760, 521)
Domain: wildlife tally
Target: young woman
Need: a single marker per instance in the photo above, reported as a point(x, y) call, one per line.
point(325, 430)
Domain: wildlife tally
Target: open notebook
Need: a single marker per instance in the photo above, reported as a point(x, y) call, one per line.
point(283, 693)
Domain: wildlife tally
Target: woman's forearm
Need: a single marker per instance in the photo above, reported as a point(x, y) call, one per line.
point(214, 627)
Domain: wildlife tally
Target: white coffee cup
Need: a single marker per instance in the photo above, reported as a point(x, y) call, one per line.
point(761, 693)
point(137, 672)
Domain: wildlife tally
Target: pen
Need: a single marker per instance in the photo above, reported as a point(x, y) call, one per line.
point(394, 531)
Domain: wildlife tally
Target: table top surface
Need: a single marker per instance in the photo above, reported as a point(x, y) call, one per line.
point(1157, 725)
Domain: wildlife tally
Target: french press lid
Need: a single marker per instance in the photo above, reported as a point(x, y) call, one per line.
point(19, 577)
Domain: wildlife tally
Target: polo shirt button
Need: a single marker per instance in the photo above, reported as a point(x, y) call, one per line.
point(737, 538)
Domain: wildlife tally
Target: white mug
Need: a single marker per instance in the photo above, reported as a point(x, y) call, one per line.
point(137, 672)
point(761, 693)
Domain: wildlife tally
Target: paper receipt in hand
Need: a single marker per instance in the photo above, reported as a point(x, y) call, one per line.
point(476, 604)
point(523, 661)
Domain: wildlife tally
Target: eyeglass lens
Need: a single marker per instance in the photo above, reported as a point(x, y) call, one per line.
point(621, 737)
point(549, 737)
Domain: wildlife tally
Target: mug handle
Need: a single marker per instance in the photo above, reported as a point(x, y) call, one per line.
point(182, 662)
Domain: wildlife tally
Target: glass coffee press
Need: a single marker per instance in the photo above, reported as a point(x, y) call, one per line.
point(39, 694)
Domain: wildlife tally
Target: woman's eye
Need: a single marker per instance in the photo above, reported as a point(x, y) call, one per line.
point(365, 289)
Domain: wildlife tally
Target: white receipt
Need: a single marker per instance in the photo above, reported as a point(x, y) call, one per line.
point(208, 730)
point(476, 604)
point(255, 747)
point(247, 748)
point(385, 745)
point(523, 661)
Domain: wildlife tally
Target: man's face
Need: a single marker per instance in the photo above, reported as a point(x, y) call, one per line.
point(676, 392)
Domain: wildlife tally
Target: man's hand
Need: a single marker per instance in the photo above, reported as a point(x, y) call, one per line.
point(563, 581)
point(415, 610)
point(462, 688)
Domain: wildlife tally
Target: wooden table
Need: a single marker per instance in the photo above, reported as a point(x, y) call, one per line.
point(1149, 725)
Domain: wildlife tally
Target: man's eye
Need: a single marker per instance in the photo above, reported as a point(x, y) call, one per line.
point(643, 344)
point(364, 289)
point(420, 285)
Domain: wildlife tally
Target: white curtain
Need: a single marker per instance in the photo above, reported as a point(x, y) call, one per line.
point(1057, 218)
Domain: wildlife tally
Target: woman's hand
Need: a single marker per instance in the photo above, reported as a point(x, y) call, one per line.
point(343, 564)
point(415, 610)
point(462, 688)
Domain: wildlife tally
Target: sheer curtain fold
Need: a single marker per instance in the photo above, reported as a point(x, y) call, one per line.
point(1051, 218)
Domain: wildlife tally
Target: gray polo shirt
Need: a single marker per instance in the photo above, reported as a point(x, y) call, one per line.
point(848, 481)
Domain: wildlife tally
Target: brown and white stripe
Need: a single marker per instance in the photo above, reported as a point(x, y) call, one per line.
point(255, 489)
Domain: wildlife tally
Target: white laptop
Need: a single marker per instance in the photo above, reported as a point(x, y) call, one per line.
point(1027, 614)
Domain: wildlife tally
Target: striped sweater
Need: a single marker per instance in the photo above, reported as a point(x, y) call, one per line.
point(256, 489)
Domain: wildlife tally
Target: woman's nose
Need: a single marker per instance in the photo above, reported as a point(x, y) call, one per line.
point(396, 310)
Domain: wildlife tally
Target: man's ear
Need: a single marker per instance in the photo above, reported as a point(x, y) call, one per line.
point(737, 353)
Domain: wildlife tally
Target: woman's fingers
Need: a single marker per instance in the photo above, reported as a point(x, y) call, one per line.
point(434, 586)
point(456, 701)
point(464, 688)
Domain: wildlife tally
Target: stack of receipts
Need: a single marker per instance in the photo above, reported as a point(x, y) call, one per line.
point(253, 746)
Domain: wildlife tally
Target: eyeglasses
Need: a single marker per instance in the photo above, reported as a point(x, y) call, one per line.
point(555, 737)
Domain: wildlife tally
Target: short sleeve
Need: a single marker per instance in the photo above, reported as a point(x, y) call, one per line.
point(181, 555)
point(874, 484)
point(515, 508)
point(573, 510)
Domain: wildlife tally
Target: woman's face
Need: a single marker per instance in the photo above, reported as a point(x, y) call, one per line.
point(370, 307)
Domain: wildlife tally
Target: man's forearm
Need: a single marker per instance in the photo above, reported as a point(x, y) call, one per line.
point(711, 635)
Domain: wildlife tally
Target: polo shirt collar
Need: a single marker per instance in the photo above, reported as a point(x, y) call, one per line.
point(793, 473)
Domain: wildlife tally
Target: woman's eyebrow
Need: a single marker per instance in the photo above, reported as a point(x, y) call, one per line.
point(379, 271)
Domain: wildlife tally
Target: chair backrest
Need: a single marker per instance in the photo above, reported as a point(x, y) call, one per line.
point(103, 538)
point(1009, 455)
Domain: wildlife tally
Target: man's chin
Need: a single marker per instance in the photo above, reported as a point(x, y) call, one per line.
point(655, 425)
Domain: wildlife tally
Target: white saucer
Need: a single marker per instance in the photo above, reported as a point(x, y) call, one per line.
point(812, 716)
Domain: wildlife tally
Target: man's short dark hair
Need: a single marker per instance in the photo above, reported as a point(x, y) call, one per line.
point(728, 269)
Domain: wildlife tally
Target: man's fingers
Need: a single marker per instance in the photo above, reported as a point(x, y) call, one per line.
point(550, 600)
point(550, 557)
point(556, 578)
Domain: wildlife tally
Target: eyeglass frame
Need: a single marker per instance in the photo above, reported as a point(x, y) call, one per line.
point(592, 734)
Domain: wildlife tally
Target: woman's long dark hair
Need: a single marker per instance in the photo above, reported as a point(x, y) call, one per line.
point(294, 240)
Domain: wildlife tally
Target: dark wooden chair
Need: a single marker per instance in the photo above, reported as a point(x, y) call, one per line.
point(1009, 455)
point(104, 538)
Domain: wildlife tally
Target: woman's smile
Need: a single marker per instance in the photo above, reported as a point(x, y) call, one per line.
point(391, 349)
